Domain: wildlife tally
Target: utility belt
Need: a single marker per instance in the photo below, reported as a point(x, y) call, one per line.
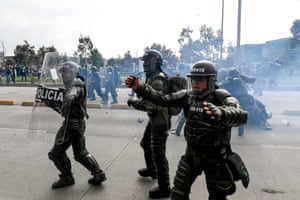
point(76, 117)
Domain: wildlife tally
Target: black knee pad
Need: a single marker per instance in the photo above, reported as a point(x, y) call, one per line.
point(52, 156)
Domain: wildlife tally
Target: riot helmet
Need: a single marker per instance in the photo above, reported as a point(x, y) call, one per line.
point(69, 71)
point(94, 69)
point(202, 70)
point(152, 61)
point(233, 72)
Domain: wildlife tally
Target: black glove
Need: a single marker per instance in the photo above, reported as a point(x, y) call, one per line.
point(129, 82)
point(216, 111)
point(132, 101)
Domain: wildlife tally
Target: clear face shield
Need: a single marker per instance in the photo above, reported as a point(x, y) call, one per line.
point(52, 64)
point(197, 85)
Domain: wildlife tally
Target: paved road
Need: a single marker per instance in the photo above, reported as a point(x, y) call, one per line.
point(113, 136)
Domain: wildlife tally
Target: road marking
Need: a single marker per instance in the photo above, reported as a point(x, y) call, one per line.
point(273, 146)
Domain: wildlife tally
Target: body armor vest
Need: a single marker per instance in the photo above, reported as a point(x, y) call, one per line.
point(77, 108)
point(200, 129)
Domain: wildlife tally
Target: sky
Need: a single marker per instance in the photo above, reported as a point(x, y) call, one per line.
point(118, 26)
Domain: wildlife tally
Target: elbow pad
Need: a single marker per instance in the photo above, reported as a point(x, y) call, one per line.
point(234, 116)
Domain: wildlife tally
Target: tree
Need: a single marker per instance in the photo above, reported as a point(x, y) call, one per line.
point(128, 64)
point(113, 62)
point(41, 53)
point(96, 58)
point(185, 35)
point(210, 43)
point(295, 30)
point(87, 53)
point(25, 54)
point(206, 47)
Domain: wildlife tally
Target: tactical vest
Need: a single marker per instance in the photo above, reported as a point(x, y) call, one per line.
point(160, 120)
point(199, 128)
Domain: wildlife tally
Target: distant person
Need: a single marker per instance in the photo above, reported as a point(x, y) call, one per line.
point(8, 73)
point(112, 81)
point(39, 73)
point(260, 75)
point(13, 74)
point(274, 72)
point(23, 73)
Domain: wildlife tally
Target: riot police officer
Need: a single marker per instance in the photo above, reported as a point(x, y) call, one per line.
point(155, 135)
point(210, 113)
point(236, 84)
point(74, 111)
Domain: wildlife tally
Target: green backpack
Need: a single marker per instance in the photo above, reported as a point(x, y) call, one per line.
point(176, 83)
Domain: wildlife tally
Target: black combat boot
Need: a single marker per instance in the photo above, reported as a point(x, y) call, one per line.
point(144, 172)
point(64, 180)
point(98, 178)
point(157, 193)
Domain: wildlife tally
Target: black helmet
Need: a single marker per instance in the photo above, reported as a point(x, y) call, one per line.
point(152, 53)
point(69, 66)
point(94, 68)
point(69, 71)
point(203, 68)
point(233, 72)
point(152, 61)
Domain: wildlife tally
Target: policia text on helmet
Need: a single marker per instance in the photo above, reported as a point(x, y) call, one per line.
point(202, 78)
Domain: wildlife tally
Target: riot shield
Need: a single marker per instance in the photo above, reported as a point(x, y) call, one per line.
point(46, 116)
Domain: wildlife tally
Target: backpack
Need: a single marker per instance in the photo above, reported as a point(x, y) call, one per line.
point(176, 83)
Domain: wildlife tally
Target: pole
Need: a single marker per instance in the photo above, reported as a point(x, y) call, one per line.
point(222, 25)
point(3, 49)
point(238, 42)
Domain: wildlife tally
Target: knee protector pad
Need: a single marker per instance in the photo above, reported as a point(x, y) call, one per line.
point(52, 156)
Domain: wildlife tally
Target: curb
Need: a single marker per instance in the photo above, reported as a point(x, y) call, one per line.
point(8, 102)
point(94, 105)
point(119, 106)
point(27, 103)
point(89, 104)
